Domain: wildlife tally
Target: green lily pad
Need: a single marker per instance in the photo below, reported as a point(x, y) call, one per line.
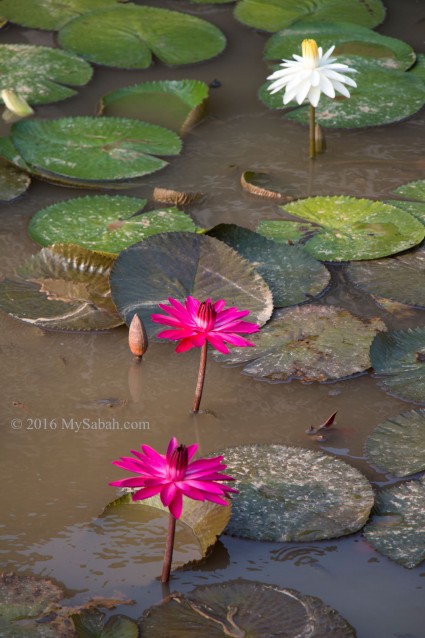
point(292, 275)
point(63, 287)
point(399, 360)
point(413, 190)
point(349, 40)
point(309, 343)
point(419, 68)
point(181, 264)
point(399, 531)
point(400, 278)
point(285, 231)
point(93, 148)
point(13, 182)
point(355, 229)
point(92, 625)
point(294, 494)
point(274, 15)
point(416, 209)
point(49, 14)
point(398, 444)
point(241, 608)
point(104, 223)
point(126, 37)
point(175, 104)
point(40, 74)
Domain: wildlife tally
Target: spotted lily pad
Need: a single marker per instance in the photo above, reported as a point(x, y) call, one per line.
point(285, 231)
point(63, 287)
point(398, 444)
point(181, 264)
point(241, 608)
point(49, 14)
point(126, 37)
point(349, 40)
point(355, 229)
point(92, 148)
point(398, 529)
point(294, 494)
point(92, 625)
point(416, 209)
point(104, 223)
point(41, 74)
point(309, 343)
point(274, 15)
point(399, 360)
point(175, 104)
point(412, 190)
point(419, 68)
point(292, 275)
point(13, 182)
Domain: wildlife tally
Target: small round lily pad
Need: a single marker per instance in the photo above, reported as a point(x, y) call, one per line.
point(294, 494)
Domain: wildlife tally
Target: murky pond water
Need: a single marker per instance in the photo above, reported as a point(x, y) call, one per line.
point(55, 479)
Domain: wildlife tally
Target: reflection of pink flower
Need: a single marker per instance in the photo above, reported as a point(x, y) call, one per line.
point(172, 476)
point(195, 323)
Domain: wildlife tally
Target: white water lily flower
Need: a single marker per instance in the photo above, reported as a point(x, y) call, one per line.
point(16, 103)
point(310, 75)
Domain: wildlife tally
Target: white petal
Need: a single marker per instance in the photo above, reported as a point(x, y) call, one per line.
point(328, 54)
point(333, 75)
point(303, 91)
point(326, 86)
point(314, 95)
point(338, 86)
point(290, 94)
point(315, 78)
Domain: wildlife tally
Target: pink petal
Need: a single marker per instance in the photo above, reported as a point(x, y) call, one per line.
point(146, 492)
point(176, 505)
point(173, 445)
point(235, 340)
point(129, 482)
point(191, 492)
point(192, 306)
point(176, 334)
point(204, 486)
point(168, 492)
point(158, 460)
point(185, 344)
point(168, 321)
point(216, 499)
point(219, 305)
point(217, 343)
point(191, 450)
point(199, 339)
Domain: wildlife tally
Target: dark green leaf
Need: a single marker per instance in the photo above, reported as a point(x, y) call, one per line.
point(13, 182)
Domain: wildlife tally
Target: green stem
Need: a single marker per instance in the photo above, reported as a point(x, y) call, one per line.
point(312, 132)
point(201, 378)
point(169, 546)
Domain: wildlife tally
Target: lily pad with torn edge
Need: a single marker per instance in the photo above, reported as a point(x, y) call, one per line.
point(239, 608)
point(104, 223)
point(292, 275)
point(265, 185)
point(13, 181)
point(175, 104)
point(397, 529)
point(294, 494)
point(398, 359)
point(63, 287)
point(398, 444)
point(181, 264)
point(308, 343)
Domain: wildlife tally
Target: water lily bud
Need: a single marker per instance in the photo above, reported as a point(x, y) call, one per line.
point(320, 138)
point(137, 337)
point(16, 103)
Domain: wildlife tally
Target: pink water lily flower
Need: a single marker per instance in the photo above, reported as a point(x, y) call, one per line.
point(173, 476)
point(196, 322)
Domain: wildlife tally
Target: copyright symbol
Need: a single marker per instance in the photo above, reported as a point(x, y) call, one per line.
point(16, 424)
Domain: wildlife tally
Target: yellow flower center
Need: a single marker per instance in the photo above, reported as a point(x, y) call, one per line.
point(310, 53)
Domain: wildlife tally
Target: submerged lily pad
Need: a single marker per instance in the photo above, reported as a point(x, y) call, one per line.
point(93, 148)
point(126, 37)
point(349, 40)
point(104, 223)
point(293, 494)
point(398, 444)
point(175, 104)
point(355, 229)
point(398, 532)
point(399, 360)
point(309, 343)
point(265, 185)
point(63, 287)
point(293, 276)
point(274, 15)
point(400, 278)
point(40, 74)
point(92, 625)
point(181, 264)
point(13, 182)
point(241, 608)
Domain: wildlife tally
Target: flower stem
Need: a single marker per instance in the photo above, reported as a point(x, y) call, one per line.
point(169, 546)
point(312, 132)
point(201, 378)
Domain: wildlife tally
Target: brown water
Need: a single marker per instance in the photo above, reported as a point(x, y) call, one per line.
point(54, 479)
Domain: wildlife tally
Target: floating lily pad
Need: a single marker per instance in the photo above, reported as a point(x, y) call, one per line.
point(92, 625)
point(126, 37)
point(49, 14)
point(399, 360)
point(419, 68)
point(349, 40)
point(292, 275)
point(412, 190)
point(355, 229)
point(178, 198)
point(274, 15)
point(294, 494)
point(13, 182)
point(398, 444)
point(104, 223)
point(241, 608)
point(417, 209)
point(206, 520)
point(285, 231)
point(400, 278)
point(309, 343)
point(175, 104)
point(398, 530)
point(181, 264)
point(63, 287)
point(265, 185)
point(93, 148)
point(40, 74)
